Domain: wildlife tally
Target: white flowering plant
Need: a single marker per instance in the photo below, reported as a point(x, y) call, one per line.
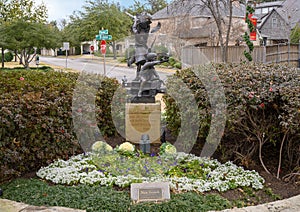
point(184, 172)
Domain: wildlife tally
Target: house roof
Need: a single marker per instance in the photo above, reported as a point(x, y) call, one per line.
point(195, 8)
point(265, 18)
point(290, 11)
point(269, 4)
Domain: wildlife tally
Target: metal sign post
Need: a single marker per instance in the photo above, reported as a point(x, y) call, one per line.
point(66, 47)
point(103, 51)
point(92, 51)
point(103, 36)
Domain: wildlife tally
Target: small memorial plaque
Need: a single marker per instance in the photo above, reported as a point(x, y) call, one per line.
point(150, 194)
point(141, 192)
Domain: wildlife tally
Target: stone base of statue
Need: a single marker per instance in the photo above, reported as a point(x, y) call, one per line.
point(143, 119)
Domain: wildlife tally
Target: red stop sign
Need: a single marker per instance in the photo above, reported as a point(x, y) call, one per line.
point(103, 47)
point(92, 48)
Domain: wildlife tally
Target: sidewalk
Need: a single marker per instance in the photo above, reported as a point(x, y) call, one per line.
point(287, 205)
point(11, 206)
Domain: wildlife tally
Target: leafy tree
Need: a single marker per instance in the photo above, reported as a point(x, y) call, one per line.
point(136, 8)
point(26, 37)
point(156, 5)
point(295, 34)
point(15, 10)
point(27, 10)
point(150, 6)
point(85, 25)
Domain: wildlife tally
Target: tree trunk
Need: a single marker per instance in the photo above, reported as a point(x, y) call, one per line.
point(16, 57)
point(2, 54)
point(21, 59)
point(114, 49)
point(228, 32)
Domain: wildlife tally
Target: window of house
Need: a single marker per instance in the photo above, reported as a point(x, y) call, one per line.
point(265, 10)
point(179, 23)
point(274, 23)
point(118, 47)
point(196, 22)
point(258, 11)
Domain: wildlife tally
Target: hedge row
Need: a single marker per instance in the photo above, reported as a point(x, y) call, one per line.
point(262, 107)
point(36, 124)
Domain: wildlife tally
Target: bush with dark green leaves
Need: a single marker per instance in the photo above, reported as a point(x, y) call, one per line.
point(8, 57)
point(262, 108)
point(36, 117)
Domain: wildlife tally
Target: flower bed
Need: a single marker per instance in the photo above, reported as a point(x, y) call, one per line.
point(184, 172)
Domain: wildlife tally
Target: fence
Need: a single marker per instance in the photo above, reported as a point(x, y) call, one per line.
point(281, 53)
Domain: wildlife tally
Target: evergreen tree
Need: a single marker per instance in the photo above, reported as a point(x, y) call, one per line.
point(295, 34)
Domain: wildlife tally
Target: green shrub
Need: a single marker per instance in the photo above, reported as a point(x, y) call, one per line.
point(172, 61)
point(8, 57)
point(36, 122)
point(77, 50)
point(160, 49)
point(129, 52)
point(177, 65)
point(263, 104)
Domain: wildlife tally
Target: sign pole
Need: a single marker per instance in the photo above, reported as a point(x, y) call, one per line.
point(103, 51)
point(66, 48)
point(103, 36)
point(66, 59)
point(104, 64)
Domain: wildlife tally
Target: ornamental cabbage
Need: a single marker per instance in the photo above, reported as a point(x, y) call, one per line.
point(170, 149)
point(101, 146)
point(127, 147)
point(167, 148)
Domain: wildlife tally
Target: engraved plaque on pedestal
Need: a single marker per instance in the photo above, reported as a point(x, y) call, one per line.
point(141, 119)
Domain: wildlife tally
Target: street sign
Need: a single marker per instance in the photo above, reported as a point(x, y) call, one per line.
point(106, 37)
point(92, 48)
point(103, 32)
point(103, 47)
point(103, 35)
point(66, 45)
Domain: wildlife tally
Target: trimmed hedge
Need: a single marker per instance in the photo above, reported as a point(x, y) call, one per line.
point(263, 107)
point(36, 124)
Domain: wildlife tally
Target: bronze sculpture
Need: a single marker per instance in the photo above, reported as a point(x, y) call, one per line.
point(147, 82)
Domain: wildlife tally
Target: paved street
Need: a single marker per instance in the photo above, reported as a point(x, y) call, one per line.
point(92, 64)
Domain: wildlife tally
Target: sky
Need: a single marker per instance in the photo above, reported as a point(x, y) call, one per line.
point(62, 9)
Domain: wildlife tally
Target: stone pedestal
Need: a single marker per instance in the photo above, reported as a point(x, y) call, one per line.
point(143, 118)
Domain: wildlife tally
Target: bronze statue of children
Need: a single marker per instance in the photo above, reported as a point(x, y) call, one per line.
point(148, 72)
point(141, 30)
